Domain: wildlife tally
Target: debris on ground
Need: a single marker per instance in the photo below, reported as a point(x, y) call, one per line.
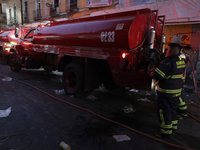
point(180, 118)
point(129, 109)
point(191, 101)
point(7, 79)
point(59, 92)
point(120, 138)
point(143, 99)
point(5, 113)
point(71, 96)
point(91, 97)
point(184, 86)
point(65, 146)
point(133, 90)
point(148, 93)
point(102, 88)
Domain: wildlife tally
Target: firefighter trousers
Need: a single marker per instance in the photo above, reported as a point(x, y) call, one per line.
point(167, 106)
point(182, 108)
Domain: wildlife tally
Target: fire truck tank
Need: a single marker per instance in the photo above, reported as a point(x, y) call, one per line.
point(125, 33)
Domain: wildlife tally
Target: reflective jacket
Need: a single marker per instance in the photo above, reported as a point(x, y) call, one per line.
point(169, 74)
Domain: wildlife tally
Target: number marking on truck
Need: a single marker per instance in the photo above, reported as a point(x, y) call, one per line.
point(108, 36)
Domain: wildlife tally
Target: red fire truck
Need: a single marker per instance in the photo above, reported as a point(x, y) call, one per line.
point(7, 39)
point(113, 49)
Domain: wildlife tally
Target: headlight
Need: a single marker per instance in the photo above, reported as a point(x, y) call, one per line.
point(13, 43)
point(7, 44)
point(7, 49)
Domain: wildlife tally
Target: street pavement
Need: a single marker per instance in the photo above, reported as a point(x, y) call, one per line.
point(47, 121)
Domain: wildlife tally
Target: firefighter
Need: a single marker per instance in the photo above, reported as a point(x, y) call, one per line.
point(182, 108)
point(169, 74)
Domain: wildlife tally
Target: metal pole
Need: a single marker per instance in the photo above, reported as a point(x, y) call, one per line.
point(22, 12)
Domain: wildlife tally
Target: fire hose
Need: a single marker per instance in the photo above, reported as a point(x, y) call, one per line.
point(120, 124)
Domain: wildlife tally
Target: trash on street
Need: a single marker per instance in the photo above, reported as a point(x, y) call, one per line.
point(91, 97)
point(184, 86)
point(134, 90)
point(65, 146)
point(5, 113)
point(191, 101)
point(7, 79)
point(143, 99)
point(102, 88)
point(148, 93)
point(129, 109)
point(59, 92)
point(120, 138)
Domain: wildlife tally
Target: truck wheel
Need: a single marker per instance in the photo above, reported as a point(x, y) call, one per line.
point(73, 79)
point(14, 66)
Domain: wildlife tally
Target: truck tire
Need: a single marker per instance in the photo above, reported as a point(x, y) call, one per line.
point(14, 66)
point(73, 79)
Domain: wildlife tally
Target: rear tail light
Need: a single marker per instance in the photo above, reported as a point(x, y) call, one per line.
point(124, 55)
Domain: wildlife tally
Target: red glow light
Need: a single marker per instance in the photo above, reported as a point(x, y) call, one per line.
point(124, 55)
point(27, 43)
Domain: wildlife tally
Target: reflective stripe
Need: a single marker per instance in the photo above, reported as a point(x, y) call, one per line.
point(180, 62)
point(166, 126)
point(182, 108)
point(181, 66)
point(162, 74)
point(179, 76)
point(179, 57)
point(175, 122)
point(166, 131)
point(174, 127)
point(169, 91)
point(184, 114)
point(176, 95)
point(163, 125)
point(181, 103)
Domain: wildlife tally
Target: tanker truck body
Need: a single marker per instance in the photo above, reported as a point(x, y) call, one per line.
point(7, 39)
point(114, 49)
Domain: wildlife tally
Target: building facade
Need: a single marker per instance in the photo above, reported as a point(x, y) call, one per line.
point(3, 20)
point(23, 12)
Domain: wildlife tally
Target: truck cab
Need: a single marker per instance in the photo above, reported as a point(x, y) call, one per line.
point(8, 39)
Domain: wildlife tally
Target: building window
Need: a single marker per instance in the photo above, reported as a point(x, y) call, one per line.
point(0, 8)
point(15, 14)
point(10, 16)
point(73, 5)
point(26, 11)
point(56, 3)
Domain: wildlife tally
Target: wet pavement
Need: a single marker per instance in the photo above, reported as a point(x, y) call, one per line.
point(46, 121)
